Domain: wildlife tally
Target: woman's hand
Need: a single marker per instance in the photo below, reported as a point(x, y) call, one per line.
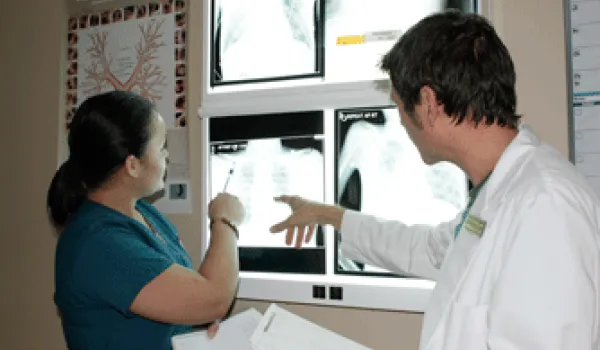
point(227, 206)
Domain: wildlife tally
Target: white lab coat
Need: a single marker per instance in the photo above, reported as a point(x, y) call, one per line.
point(531, 282)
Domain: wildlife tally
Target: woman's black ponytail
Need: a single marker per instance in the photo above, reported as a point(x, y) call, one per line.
point(66, 193)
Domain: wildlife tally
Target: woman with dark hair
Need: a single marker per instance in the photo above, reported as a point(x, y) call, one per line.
point(123, 279)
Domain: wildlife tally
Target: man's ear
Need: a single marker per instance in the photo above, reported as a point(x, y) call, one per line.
point(132, 166)
point(430, 105)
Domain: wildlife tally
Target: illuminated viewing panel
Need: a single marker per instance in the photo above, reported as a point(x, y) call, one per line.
point(258, 158)
point(278, 39)
point(341, 40)
point(380, 172)
point(379, 22)
point(377, 170)
point(294, 102)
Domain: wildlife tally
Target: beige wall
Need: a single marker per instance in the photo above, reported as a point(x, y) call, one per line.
point(32, 107)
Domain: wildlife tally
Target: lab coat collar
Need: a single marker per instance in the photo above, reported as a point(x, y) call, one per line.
point(512, 157)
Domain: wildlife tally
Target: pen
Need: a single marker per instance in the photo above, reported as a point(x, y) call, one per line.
point(228, 178)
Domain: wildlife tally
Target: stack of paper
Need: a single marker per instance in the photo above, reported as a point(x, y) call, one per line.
point(277, 329)
point(234, 333)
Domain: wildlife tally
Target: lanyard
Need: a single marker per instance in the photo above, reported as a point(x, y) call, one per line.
point(472, 197)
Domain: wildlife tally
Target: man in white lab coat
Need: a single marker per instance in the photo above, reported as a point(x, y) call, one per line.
point(520, 267)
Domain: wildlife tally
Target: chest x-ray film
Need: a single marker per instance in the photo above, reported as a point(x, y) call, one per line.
point(266, 40)
point(259, 157)
point(380, 172)
point(359, 32)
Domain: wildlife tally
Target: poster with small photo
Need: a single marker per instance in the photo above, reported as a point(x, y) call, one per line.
point(72, 70)
point(72, 83)
point(139, 48)
point(180, 53)
point(180, 119)
point(180, 86)
point(128, 12)
point(180, 37)
point(178, 191)
point(180, 20)
point(83, 21)
point(105, 18)
point(113, 34)
point(179, 5)
point(72, 39)
point(117, 15)
point(154, 8)
point(142, 11)
point(71, 53)
point(180, 102)
point(180, 70)
point(94, 20)
point(69, 115)
point(73, 23)
point(167, 6)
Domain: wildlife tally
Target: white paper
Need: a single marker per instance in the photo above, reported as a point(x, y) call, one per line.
point(234, 334)
point(280, 329)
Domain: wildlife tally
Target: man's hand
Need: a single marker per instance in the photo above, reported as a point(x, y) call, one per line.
point(303, 220)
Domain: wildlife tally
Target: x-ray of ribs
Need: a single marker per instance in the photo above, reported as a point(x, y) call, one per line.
point(394, 181)
point(275, 38)
point(264, 174)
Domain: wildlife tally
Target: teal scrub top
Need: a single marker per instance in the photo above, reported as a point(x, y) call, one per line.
point(103, 260)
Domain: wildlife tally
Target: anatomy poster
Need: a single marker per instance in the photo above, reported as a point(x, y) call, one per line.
point(140, 48)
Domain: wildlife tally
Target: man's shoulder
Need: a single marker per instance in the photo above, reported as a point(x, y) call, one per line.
point(546, 172)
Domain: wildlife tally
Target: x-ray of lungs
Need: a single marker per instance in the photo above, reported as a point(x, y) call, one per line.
point(263, 169)
point(263, 156)
point(266, 39)
point(381, 21)
point(380, 172)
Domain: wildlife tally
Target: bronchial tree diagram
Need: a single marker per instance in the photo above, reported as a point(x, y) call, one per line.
point(146, 76)
point(136, 55)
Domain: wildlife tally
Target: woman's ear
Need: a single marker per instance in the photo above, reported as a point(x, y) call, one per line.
point(133, 166)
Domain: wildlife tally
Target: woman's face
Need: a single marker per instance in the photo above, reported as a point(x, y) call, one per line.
point(154, 159)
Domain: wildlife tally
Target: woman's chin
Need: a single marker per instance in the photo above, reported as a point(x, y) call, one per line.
point(156, 194)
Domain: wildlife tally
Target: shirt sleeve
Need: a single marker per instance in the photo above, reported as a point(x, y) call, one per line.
point(416, 250)
point(546, 296)
point(115, 263)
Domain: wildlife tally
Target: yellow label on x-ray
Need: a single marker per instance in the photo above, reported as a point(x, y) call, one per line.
point(351, 39)
point(385, 35)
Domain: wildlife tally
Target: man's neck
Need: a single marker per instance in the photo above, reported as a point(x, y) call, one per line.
point(481, 149)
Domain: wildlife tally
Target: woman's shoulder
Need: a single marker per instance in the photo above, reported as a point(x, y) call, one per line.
point(95, 214)
point(93, 220)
